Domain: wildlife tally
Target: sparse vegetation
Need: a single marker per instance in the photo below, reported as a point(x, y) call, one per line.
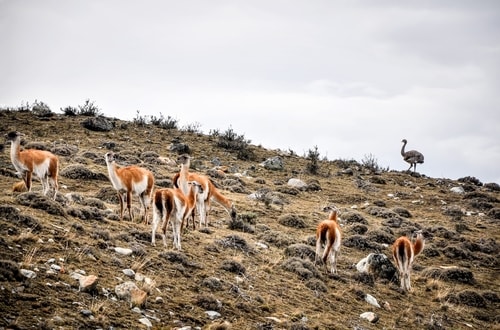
point(257, 271)
point(313, 158)
point(232, 141)
point(370, 162)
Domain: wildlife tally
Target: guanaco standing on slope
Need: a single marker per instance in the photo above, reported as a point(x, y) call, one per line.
point(404, 251)
point(172, 203)
point(131, 180)
point(209, 190)
point(328, 233)
point(41, 163)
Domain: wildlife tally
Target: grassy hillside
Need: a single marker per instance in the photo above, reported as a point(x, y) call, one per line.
point(257, 272)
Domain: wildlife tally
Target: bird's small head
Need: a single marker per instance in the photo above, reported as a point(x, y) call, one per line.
point(404, 141)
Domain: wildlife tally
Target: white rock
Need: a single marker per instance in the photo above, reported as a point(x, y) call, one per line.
point(457, 190)
point(28, 273)
point(213, 314)
point(129, 272)
point(123, 290)
point(139, 277)
point(296, 183)
point(75, 276)
point(362, 265)
point(55, 267)
point(370, 316)
point(261, 245)
point(272, 318)
point(51, 260)
point(124, 251)
point(371, 300)
point(88, 283)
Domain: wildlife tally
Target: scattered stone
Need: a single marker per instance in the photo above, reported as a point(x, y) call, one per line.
point(99, 124)
point(88, 283)
point(123, 251)
point(146, 322)
point(159, 300)
point(457, 190)
point(129, 272)
point(123, 290)
point(371, 300)
point(86, 312)
point(138, 297)
point(275, 164)
point(213, 314)
point(296, 183)
point(28, 273)
point(55, 267)
point(378, 265)
point(370, 317)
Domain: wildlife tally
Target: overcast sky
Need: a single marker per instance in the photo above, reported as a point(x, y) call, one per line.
point(351, 77)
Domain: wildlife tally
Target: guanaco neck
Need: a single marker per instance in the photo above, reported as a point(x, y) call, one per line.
point(112, 173)
point(333, 216)
point(184, 173)
point(15, 154)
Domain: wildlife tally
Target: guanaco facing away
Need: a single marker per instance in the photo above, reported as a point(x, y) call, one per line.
point(328, 233)
point(131, 180)
point(172, 204)
point(404, 251)
point(41, 163)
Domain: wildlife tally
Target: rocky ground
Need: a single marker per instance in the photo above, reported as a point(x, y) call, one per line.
point(70, 263)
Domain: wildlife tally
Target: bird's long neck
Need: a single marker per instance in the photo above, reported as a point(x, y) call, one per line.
point(403, 149)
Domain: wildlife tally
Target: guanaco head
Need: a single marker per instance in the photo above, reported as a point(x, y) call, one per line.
point(183, 159)
point(109, 156)
point(12, 136)
point(333, 212)
point(197, 185)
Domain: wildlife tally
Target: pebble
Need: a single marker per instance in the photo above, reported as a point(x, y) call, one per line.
point(146, 322)
point(28, 273)
point(370, 316)
point(123, 251)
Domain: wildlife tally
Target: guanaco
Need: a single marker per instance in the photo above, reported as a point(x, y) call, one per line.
point(131, 180)
point(328, 233)
point(41, 163)
point(404, 251)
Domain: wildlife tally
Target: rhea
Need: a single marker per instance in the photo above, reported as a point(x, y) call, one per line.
point(41, 163)
point(404, 252)
point(412, 157)
point(130, 180)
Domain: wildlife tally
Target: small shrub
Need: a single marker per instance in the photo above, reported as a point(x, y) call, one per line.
point(233, 267)
point(165, 123)
point(313, 158)
point(70, 111)
point(230, 140)
point(140, 120)
point(89, 109)
point(41, 109)
point(370, 162)
point(193, 128)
